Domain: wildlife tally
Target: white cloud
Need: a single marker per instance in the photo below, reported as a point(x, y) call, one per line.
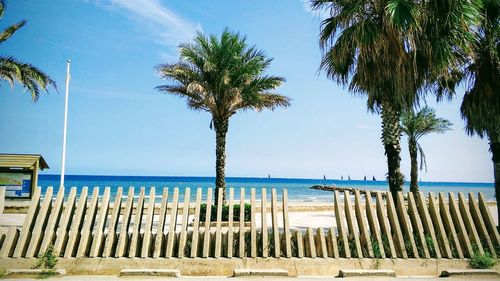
point(159, 20)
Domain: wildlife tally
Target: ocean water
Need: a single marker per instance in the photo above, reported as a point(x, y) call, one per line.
point(298, 189)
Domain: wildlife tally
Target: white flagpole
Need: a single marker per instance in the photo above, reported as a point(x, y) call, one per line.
point(63, 161)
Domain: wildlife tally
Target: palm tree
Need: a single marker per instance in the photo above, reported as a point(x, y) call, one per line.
point(365, 47)
point(481, 104)
point(394, 52)
point(414, 126)
point(222, 76)
point(13, 70)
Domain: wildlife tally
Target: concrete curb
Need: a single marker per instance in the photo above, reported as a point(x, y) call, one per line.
point(151, 272)
point(260, 272)
point(33, 272)
point(366, 273)
point(468, 272)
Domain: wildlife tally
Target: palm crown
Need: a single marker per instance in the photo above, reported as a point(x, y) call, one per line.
point(12, 70)
point(222, 76)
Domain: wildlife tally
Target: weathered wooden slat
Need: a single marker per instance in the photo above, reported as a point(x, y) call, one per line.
point(10, 242)
point(300, 243)
point(310, 243)
point(172, 224)
point(97, 241)
point(88, 224)
point(55, 215)
point(448, 224)
point(264, 230)
point(241, 238)
point(321, 245)
point(76, 224)
point(253, 227)
point(113, 224)
point(363, 228)
point(146, 248)
point(384, 226)
point(196, 224)
point(404, 220)
point(40, 224)
point(206, 238)
point(123, 237)
point(417, 224)
point(160, 232)
point(480, 225)
point(274, 220)
point(395, 227)
point(426, 221)
point(340, 225)
point(286, 225)
point(438, 225)
point(134, 240)
point(351, 223)
point(184, 223)
point(488, 219)
point(230, 230)
point(463, 237)
point(29, 222)
point(469, 223)
point(218, 233)
point(332, 245)
point(373, 223)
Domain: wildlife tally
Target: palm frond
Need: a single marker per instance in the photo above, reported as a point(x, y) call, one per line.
point(29, 76)
point(9, 31)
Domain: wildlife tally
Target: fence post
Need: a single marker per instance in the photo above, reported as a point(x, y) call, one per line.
point(253, 228)
point(76, 224)
point(480, 226)
point(286, 225)
point(426, 220)
point(55, 216)
point(384, 227)
point(340, 226)
point(101, 223)
point(405, 223)
point(274, 219)
point(459, 224)
point(230, 230)
point(372, 221)
point(488, 219)
point(196, 225)
point(123, 238)
point(351, 223)
point(113, 224)
point(417, 224)
point(184, 223)
point(146, 240)
point(263, 210)
point(218, 239)
point(29, 222)
point(469, 223)
point(86, 234)
point(172, 224)
point(39, 225)
point(206, 239)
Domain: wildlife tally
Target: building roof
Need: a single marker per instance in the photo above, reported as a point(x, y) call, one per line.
point(22, 161)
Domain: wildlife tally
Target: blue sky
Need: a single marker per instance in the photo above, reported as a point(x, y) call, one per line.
point(120, 125)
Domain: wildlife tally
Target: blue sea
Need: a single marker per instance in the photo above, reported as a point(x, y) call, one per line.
point(298, 189)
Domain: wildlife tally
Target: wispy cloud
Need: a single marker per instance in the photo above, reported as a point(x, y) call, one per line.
point(168, 27)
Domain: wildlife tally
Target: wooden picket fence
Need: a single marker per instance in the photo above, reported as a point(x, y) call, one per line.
point(412, 227)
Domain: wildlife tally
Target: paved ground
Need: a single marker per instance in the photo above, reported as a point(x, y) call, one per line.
point(401, 278)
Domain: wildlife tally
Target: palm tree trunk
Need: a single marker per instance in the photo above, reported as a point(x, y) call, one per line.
point(221, 127)
point(495, 151)
point(412, 146)
point(391, 137)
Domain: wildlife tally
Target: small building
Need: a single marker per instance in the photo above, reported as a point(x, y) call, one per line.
point(19, 174)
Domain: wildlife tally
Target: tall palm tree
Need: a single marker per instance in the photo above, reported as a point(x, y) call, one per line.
point(481, 104)
point(222, 76)
point(393, 52)
point(364, 46)
point(414, 126)
point(13, 70)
